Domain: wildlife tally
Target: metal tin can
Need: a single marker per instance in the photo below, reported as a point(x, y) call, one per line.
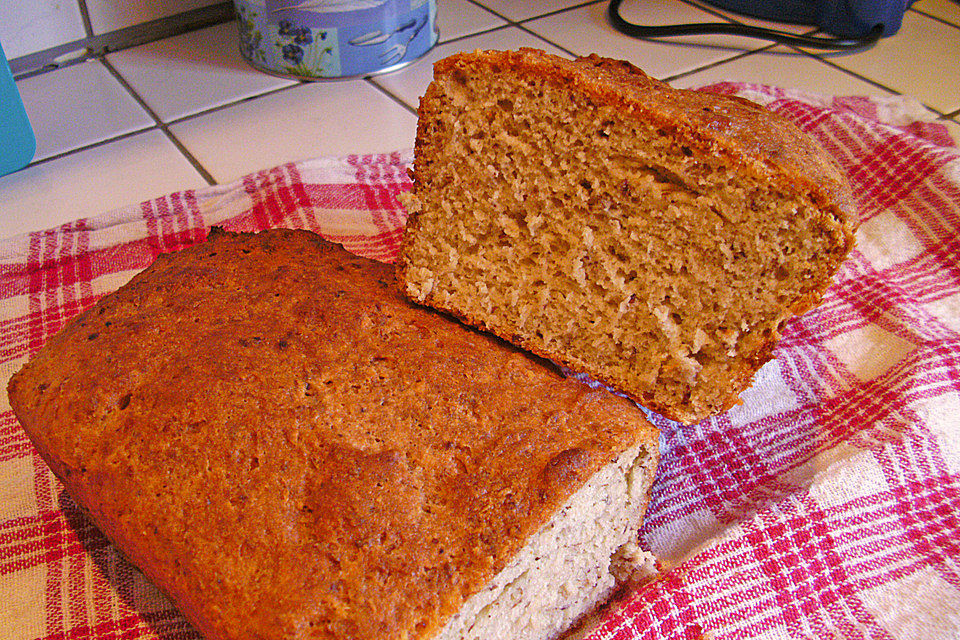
point(317, 39)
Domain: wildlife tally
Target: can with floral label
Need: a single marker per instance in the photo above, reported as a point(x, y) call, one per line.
point(316, 39)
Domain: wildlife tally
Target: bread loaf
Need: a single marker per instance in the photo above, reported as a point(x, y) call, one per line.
point(289, 448)
point(655, 239)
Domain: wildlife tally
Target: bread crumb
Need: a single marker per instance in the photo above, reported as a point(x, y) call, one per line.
point(649, 237)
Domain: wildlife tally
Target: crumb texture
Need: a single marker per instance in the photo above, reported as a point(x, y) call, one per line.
point(290, 449)
point(568, 568)
point(656, 239)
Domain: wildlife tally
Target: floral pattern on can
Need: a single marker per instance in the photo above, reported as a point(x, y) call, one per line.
point(314, 39)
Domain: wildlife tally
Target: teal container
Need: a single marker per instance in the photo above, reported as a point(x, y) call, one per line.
point(17, 142)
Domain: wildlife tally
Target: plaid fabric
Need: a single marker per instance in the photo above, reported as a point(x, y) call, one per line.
point(827, 505)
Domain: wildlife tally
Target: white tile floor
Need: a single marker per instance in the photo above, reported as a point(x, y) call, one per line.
point(188, 111)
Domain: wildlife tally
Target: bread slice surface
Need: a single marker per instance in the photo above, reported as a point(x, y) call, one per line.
point(289, 448)
point(654, 238)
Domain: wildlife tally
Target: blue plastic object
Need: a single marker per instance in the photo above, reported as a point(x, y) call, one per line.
point(844, 18)
point(17, 142)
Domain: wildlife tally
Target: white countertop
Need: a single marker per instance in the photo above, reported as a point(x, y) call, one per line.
point(186, 112)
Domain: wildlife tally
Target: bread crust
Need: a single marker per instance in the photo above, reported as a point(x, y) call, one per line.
point(759, 142)
point(735, 127)
point(287, 447)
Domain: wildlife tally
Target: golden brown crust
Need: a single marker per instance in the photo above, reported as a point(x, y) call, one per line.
point(738, 127)
point(287, 447)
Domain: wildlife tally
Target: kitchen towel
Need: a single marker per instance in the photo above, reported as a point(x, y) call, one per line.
point(826, 505)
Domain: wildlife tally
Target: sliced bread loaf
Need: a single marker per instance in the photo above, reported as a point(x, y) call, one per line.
point(289, 448)
point(655, 239)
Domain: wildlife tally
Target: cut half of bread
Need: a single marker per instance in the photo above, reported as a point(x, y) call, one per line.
point(655, 239)
point(289, 448)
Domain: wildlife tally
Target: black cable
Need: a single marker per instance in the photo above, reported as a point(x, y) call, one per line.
point(762, 33)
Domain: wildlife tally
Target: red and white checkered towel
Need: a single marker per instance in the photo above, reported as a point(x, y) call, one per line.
point(827, 505)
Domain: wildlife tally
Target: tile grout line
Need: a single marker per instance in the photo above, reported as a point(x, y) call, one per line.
point(718, 63)
point(736, 54)
point(544, 39)
point(159, 124)
point(520, 24)
point(825, 60)
point(163, 127)
point(92, 145)
point(710, 9)
point(934, 17)
point(488, 10)
point(822, 58)
point(515, 23)
point(555, 12)
point(85, 17)
point(482, 32)
point(706, 7)
point(232, 103)
point(371, 80)
point(92, 46)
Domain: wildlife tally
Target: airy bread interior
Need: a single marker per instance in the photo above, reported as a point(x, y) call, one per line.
point(570, 566)
point(633, 247)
